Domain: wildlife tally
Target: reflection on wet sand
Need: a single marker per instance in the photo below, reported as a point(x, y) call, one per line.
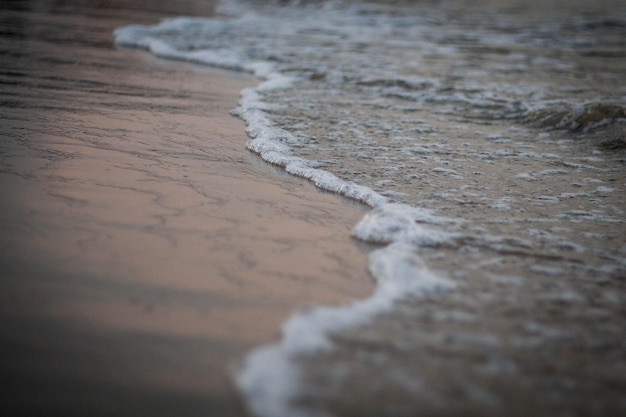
point(143, 250)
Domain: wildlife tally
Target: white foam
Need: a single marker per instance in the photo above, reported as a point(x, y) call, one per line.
point(554, 172)
point(269, 379)
point(528, 176)
point(150, 39)
point(269, 376)
point(398, 270)
point(390, 223)
point(155, 40)
point(503, 203)
point(604, 190)
point(547, 270)
point(445, 171)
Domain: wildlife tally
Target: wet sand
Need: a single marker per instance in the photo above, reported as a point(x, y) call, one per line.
point(144, 251)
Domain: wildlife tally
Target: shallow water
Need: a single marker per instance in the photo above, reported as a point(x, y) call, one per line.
point(489, 139)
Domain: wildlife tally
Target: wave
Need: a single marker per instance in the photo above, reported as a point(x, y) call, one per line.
point(396, 268)
point(584, 117)
point(388, 123)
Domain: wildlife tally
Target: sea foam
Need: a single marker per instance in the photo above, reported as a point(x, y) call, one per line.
point(374, 81)
point(270, 375)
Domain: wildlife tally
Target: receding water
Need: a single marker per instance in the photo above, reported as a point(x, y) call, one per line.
point(488, 139)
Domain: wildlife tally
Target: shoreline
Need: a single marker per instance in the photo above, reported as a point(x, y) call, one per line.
point(497, 262)
point(141, 259)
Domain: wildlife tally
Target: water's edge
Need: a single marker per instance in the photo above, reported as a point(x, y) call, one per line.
point(396, 268)
point(272, 377)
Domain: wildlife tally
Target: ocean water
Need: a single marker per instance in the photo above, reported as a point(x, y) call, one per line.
point(489, 140)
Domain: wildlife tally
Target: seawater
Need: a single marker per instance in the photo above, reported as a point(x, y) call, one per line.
point(489, 140)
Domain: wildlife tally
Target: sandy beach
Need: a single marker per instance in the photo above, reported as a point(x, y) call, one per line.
point(152, 266)
point(144, 250)
point(488, 139)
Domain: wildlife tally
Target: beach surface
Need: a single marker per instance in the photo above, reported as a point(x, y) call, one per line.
point(488, 139)
point(145, 253)
point(144, 250)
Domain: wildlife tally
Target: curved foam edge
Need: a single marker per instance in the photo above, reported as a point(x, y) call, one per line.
point(270, 376)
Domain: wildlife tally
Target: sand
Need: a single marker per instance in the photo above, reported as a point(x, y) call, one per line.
point(144, 250)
